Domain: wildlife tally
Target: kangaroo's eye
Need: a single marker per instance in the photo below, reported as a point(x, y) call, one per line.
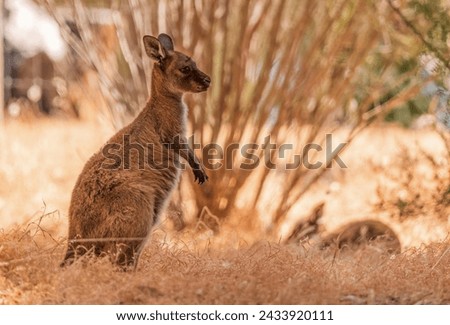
point(186, 69)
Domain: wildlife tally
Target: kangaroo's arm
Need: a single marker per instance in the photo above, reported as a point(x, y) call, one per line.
point(181, 148)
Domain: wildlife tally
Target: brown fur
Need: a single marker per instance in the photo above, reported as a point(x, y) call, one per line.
point(115, 204)
point(363, 232)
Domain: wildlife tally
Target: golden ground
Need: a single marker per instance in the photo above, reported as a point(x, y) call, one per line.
point(40, 161)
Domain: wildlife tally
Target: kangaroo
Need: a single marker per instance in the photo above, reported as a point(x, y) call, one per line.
point(362, 232)
point(118, 196)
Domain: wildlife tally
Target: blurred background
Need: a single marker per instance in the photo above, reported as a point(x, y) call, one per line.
point(372, 73)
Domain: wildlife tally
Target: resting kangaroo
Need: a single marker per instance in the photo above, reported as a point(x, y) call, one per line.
point(120, 194)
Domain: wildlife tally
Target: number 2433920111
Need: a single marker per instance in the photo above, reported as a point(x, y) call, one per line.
point(295, 315)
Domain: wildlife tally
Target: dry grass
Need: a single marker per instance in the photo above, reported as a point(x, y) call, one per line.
point(235, 267)
point(261, 273)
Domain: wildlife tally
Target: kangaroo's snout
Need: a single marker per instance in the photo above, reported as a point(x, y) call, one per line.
point(203, 82)
point(207, 81)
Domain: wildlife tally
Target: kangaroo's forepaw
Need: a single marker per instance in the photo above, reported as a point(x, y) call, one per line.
point(200, 176)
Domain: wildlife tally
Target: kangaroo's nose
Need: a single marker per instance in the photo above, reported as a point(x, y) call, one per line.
point(207, 80)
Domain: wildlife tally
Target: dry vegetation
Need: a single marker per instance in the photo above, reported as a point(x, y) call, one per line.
point(173, 272)
point(238, 266)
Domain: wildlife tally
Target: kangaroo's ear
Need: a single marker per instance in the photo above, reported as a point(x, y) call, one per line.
point(153, 48)
point(166, 42)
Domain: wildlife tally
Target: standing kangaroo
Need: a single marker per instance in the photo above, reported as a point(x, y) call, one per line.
point(119, 197)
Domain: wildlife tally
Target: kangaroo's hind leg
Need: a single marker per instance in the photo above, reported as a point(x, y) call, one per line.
point(126, 253)
point(78, 248)
point(128, 226)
